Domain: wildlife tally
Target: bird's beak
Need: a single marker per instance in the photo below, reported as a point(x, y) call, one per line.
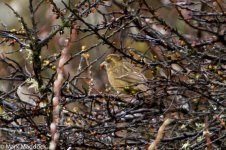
point(103, 65)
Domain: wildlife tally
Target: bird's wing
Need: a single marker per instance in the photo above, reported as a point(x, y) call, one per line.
point(132, 77)
point(130, 67)
point(135, 80)
point(128, 73)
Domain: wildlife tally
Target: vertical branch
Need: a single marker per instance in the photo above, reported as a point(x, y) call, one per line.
point(57, 89)
point(37, 64)
point(89, 74)
point(160, 134)
point(34, 24)
point(206, 134)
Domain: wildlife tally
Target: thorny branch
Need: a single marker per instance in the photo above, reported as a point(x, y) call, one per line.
point(55, 94)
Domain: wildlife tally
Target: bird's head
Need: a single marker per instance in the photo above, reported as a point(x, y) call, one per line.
point(110, 61)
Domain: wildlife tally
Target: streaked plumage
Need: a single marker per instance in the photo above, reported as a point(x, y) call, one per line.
point(123, 75)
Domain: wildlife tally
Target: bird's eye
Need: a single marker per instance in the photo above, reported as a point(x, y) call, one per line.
point(108, 60)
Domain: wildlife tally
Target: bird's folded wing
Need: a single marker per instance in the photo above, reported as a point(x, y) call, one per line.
point(132, 78)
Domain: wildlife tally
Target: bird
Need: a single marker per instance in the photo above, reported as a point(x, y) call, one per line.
point(123, 75)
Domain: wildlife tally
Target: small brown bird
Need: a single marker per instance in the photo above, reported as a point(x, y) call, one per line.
point(124, 76)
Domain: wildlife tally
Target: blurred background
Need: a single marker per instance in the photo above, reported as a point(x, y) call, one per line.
point(180, 45)
point(47, 21)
